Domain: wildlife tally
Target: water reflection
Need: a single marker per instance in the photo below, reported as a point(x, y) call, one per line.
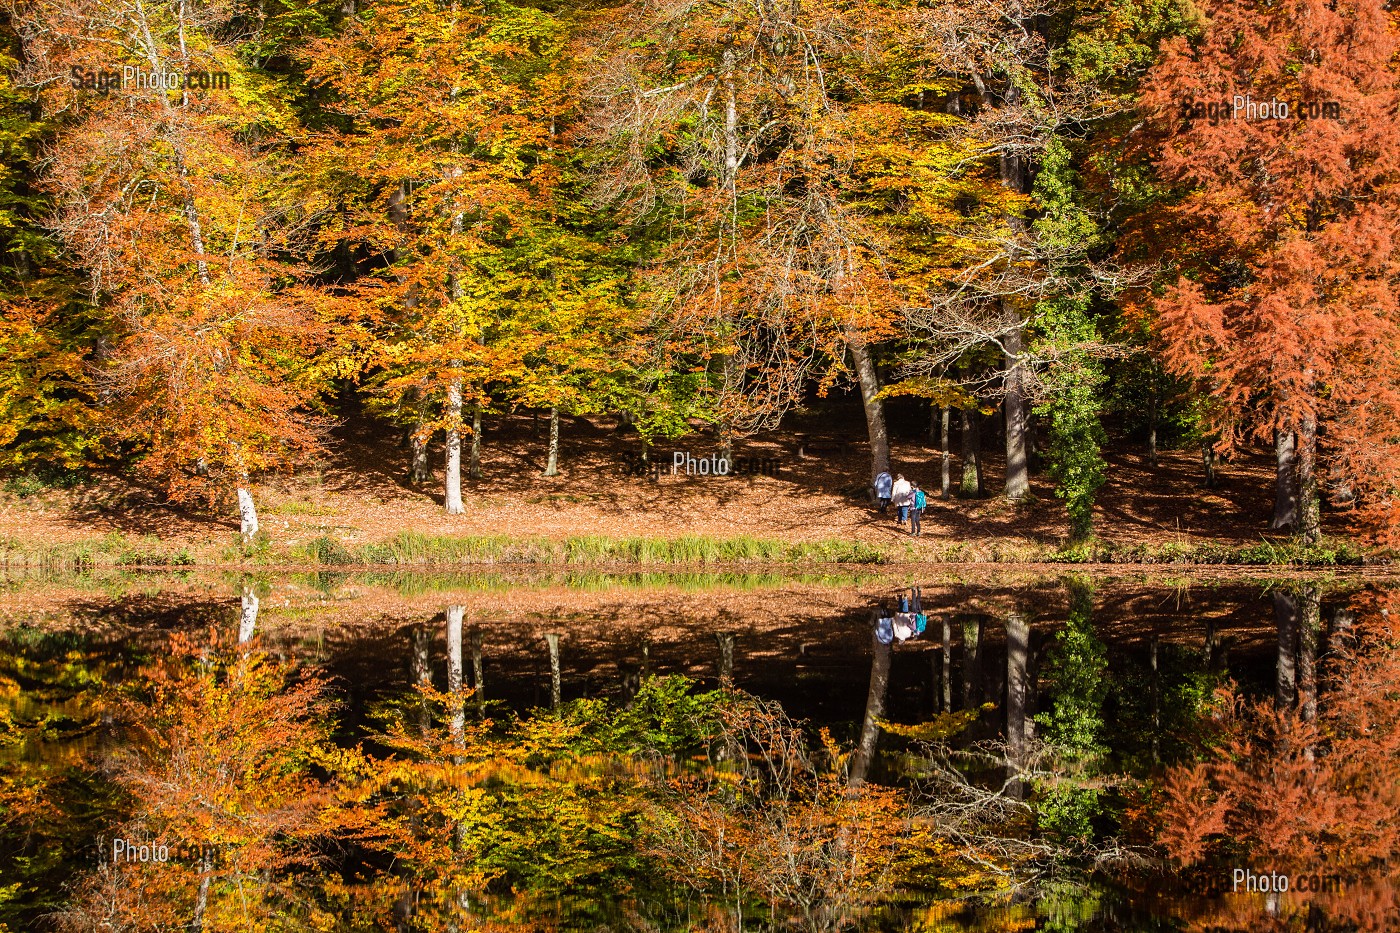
point(1079, 752)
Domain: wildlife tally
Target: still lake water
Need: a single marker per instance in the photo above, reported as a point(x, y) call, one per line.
point(1086, 687)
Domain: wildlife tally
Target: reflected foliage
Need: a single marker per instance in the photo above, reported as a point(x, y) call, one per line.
point(1302, 793)
point(313, 802)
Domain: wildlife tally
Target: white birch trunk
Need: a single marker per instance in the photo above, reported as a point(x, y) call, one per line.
point(556, 684)
point(453, 481)
point(248, 618)
point(454, 669)
point(247, 513)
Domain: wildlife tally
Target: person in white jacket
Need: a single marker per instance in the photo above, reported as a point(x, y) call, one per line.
point(900, 497)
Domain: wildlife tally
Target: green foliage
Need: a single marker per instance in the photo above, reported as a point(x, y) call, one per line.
point(1078, 683)
point(666, 717)
point(1110, 46)
point(48, 416)
point(1066, 812)
point(1142, 396)
point(43, 477)
point(1160, 715)
point(1075, 432)
point(1068, 337)
point(328, 550)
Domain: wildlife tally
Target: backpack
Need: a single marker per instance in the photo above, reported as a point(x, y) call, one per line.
point(920, 500)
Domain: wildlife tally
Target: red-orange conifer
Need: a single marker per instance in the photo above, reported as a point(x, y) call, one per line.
point(1284, 305)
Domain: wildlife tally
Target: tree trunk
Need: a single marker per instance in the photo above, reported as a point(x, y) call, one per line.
point(248, 616)
point(1018, 484)
point(1285, 481)
point(201, 900)
point(474, 471)
point(551, 467)
point(420, 673)
point(972, 662)
point(947, 679)
point(726, 660)
point(247, 512)
point(556, 677)
point(419, 472)
point(1309, 508)
point(1286, 674)
point(1018, 632)
point(454, 671)
point(1154, 657)
point(971, 454)
point(458, 709)
point(874, 711)
point(1152, 405)
point(1343, 619)
point(454, 448)
point(478, 673)
point(946, 485)
point(874, 407)
point(977, 454)
point(1309, 622)
point(1208, 461)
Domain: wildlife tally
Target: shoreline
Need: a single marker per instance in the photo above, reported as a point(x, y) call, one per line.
point(411, 551)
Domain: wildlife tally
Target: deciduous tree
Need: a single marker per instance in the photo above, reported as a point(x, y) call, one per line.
point(175, 204)
point(447, 114)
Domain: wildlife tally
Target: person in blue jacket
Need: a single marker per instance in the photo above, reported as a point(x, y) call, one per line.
point(884, 484)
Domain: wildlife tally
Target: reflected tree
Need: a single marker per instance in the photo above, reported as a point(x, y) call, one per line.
point(1286, 622)
point(881, 657)
point(726, 659)
point(972, 661)
point(1287, 790)
point(1018, 633)
point(248, 614)
point(221, 768)
point(556, 683)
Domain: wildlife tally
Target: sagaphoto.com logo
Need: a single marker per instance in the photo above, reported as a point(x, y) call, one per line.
point(1246, 107)
point(131, 78)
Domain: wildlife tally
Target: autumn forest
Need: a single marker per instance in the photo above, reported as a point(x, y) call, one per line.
point(699, 466)
point(226, 226)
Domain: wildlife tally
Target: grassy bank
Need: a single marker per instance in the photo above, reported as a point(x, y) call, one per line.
point(416, 550)
point(413, 549)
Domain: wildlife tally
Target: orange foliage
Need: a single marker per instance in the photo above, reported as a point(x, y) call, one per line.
point(1284, 305)
point(222, 745)
point(176, 205)
point(1282, 793)
point(768, 821)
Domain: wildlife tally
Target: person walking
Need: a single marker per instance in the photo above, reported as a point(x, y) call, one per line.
point(917, 501)
point(884, 484)
point(899, 493)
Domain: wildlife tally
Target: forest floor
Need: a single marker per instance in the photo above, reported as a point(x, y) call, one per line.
point(358, 495)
